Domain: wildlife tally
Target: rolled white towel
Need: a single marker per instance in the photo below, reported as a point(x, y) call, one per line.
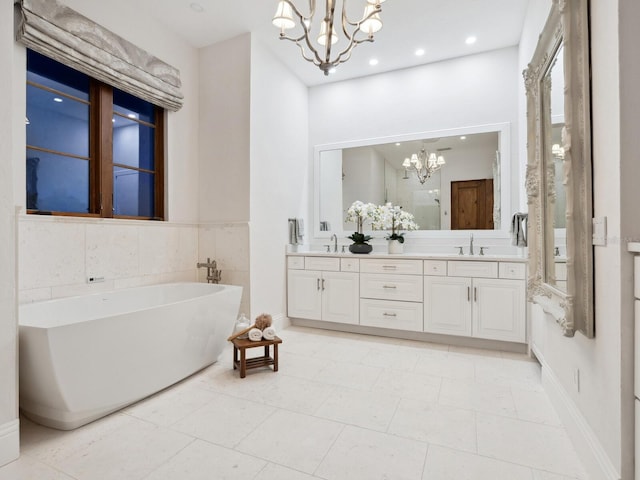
point(269, 333)
point(255, 334)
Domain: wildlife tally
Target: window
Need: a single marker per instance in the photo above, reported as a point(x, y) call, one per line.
point(92, 150)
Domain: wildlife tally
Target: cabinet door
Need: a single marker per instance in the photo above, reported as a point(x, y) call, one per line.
point(447, 305)
point(304, 294)
point(340, 297)
point(499, 309)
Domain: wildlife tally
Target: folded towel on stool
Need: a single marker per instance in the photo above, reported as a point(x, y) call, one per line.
point(255, 334)
point(269, 333)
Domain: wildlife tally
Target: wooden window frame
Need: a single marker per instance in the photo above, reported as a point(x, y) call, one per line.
point(101, 163)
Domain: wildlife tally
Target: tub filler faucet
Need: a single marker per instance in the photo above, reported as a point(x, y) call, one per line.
point(213, 274)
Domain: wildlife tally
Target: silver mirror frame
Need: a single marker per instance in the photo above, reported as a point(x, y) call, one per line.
point(568, 23)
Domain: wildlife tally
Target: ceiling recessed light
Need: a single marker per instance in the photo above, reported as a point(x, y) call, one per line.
point(419, 52)
point(373, 62)
point(471, 40)
point(398, 144)
point(196, 7)
point(57, 99)
point(463, 137)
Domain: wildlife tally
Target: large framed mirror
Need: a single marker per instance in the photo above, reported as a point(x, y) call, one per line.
point(559, 169)
point(379, 171)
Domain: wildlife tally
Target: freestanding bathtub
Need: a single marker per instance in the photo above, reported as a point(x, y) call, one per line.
point(84, 357)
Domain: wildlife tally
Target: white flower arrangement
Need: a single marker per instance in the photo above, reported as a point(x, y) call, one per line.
point(359, 211)
point(392, 217)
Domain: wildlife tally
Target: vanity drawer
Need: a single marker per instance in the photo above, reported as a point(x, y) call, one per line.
point(328, 264)
point(403, 267)
point(515, 271)
point(391, 287)
point(461, 268)
point(389, 314)
point(295, 263)
point(349, 265)
point(435, 267)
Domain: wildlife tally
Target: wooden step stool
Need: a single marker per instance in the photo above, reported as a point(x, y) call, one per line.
point(241, 345)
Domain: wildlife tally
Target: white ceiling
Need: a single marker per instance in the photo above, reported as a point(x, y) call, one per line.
point(440, 27)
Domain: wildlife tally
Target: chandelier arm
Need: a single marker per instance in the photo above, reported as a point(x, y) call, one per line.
point(306, 32)
point(347, 51)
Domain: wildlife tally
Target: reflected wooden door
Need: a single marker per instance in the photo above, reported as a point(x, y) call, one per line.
point(472, 205)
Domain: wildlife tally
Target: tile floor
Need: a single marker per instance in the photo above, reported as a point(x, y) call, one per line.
point(342, 407)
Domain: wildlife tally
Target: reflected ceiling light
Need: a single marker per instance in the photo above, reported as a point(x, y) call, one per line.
point(419, 52)
point(373, 62)
point(332, 70)
point(57, 99)
point(288, 16)
point(398, 144)
point(26, 121)
point(424, 164)
point(463, 137)
point(471, 40)
point(132, 115)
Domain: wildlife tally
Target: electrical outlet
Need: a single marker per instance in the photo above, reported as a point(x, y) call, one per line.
point(576, 378)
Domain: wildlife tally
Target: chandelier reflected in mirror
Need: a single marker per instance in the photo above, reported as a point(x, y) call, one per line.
point(424, 164)
point(288, 16)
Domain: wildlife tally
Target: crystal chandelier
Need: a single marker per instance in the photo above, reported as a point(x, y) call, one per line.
point(354, 32)
point(424, 164)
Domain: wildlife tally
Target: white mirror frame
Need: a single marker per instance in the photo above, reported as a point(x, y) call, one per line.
point(568, 23)
point(504, 132)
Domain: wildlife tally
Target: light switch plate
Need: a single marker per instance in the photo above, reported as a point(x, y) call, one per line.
point(599, 231)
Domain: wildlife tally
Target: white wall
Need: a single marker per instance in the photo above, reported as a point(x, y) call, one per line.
point(10, 122)
point(224, 152)
point(469, 91)
point(279, 179)
point(594, 414)
point(224, 96)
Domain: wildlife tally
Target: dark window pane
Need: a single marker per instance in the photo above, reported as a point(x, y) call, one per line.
point(133, 193)
point(56, 183)
point(133, 144)
point(133, 107)
point(52, 74)
point(60, 126)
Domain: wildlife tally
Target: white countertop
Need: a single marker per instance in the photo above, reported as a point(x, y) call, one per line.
point(414, 256)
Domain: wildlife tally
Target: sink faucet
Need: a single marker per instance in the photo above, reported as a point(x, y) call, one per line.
point(334, 237)
point(471, 245)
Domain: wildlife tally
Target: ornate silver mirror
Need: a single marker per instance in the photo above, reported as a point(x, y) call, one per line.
point(559, 169)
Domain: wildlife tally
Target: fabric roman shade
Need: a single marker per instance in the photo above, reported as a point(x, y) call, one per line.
point(63, 34)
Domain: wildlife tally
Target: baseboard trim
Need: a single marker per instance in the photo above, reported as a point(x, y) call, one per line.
point(9, 442)
point(590, 451)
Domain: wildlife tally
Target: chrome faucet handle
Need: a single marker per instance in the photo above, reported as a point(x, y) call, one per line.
point(482, 249)
point(343, 247)
point(328, 248)
point(460, 252)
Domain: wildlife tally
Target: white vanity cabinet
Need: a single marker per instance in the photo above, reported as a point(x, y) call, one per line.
point(467, 297)
point(320, 288)
point(478, 299)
